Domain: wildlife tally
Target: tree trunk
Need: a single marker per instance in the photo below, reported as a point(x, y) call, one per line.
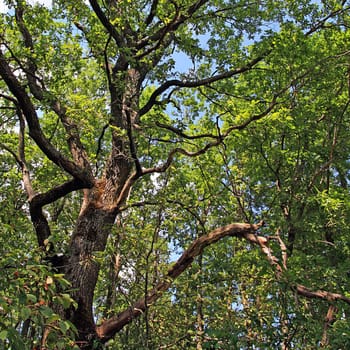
point(90, 236)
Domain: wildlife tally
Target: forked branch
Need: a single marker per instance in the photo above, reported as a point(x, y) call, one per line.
point(240, 230)
point(298, 288)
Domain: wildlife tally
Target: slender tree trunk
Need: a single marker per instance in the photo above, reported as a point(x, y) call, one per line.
point(247, 321)
point(114, 267)
point(200, 319)
point(329, 320)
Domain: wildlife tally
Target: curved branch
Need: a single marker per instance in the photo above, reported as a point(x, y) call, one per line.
point(218, 139)
point(197, 83)
point(300, 289)
point(111, 326)
point(35, 131)
point(74, 142)
point(245, 231)
point(124, 193)
point(37, 201)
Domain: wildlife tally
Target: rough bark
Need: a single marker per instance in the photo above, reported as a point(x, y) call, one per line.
point(103, 197)
point(90, 237)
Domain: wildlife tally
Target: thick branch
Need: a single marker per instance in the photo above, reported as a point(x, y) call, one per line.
point(57, 192)
point(37, 201)
point(106, 23)
point(152, 12)
point(110, 327)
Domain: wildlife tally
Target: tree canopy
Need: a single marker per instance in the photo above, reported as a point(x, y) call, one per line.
point(175, 174)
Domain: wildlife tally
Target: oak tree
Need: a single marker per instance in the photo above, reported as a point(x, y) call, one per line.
point(136, 134)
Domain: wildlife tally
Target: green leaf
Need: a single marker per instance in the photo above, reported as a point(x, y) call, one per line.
point(25, 313)
point(46, 311)
point(3, 335)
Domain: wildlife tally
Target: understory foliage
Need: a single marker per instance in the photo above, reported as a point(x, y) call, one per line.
point(174, 174)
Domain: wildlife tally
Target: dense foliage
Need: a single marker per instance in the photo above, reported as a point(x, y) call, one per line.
point(134, 133)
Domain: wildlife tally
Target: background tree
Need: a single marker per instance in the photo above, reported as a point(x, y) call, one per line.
point(136, 134)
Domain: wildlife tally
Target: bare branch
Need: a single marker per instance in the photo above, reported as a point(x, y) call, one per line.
point(320, 294)
point(300, 289)
point(328, 321)
point(246, 231)
point(37, 201)
point(124, 193)
point(57, 192)
point(218, 139)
